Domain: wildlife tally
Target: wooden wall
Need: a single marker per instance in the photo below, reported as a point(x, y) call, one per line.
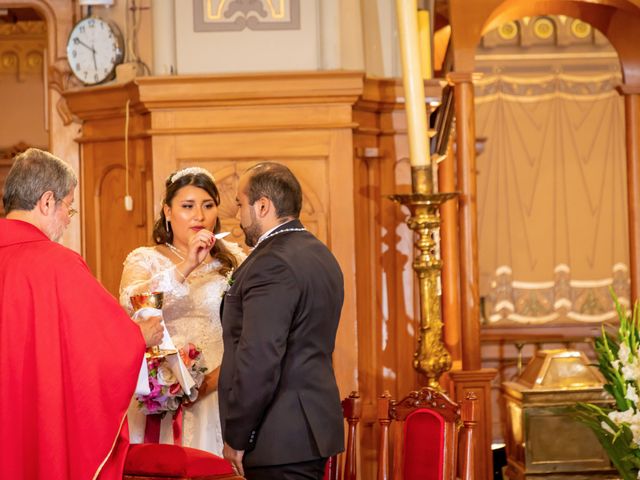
point(225, 124)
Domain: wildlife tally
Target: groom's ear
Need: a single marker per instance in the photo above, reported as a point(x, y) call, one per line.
point(264, 207)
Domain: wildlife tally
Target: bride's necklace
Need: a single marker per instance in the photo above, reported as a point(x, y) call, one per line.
point(180, 254)
point(278, 232)
point(175, 251)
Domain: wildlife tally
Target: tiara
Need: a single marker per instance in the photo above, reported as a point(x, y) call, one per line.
point(191, 171)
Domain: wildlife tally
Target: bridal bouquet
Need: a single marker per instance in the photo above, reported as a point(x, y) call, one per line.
point(618, 428)
point(166, 393)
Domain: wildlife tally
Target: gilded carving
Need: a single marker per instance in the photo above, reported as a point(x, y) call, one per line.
point(24, 28)
point(22, 46)
point(34, 60)
point(508, 30)
point(426, 398)
point(9, 61)
point(580, 29)
point(236, 15)
point(551, 30)
point(543, 28)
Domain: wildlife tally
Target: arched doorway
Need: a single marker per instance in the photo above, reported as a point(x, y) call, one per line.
point(44, 113)
point(23, 42)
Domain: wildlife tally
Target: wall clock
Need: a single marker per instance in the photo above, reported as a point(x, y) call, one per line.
point(94, 48)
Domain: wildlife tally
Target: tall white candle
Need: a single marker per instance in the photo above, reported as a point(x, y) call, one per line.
point(407, 12)
point(424, 39)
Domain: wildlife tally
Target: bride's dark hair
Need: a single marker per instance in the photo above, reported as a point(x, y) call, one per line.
point(162, 234)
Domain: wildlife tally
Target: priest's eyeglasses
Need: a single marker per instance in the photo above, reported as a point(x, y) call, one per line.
point(70, 210)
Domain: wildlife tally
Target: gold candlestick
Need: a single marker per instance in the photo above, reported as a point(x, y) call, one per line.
point(431, 357)
point(151, 300)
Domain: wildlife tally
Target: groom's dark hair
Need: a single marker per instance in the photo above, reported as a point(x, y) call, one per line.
point(277, 183)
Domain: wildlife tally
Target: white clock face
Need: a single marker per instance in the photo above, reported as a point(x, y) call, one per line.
point(93, 50)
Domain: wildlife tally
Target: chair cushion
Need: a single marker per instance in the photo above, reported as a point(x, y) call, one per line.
point(423, 446)
point(173, 461)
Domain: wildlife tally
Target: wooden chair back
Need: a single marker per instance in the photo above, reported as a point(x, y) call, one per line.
point(431, 436)
point(352, 411)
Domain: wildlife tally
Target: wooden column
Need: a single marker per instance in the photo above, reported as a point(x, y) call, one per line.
point(478, 382)
point(632, 131)
point(450, 254)
point(468, 219)
point(472, 378)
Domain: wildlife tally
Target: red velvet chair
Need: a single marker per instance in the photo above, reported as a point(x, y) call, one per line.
point(351, 410)
point(432, 436)
point(154, 461)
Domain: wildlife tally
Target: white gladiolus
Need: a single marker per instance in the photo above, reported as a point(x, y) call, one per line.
point(628, 363)
point(632, 394)
point(621, 417)
point(631, 371)
point(623, 353)
point(631, 419)
point(605, 426)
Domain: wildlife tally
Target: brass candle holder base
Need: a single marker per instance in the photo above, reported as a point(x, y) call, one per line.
point(431, 357)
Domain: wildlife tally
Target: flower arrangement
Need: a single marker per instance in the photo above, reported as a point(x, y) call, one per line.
point(166, 393)
point(229, 278)
point(618, 428)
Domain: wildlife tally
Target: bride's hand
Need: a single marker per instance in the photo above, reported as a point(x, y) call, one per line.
point(199, 247)
point(209, 384)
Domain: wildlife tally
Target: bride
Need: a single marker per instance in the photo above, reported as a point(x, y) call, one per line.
point(190, 266)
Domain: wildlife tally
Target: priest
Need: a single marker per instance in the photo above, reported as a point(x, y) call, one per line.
point(69, 355)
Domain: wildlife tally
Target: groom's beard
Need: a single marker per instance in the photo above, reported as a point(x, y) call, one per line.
point(252, 232)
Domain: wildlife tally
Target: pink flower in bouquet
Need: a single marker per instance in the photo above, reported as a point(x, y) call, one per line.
point(154, 386)
point(188, 354)
point(151, 406)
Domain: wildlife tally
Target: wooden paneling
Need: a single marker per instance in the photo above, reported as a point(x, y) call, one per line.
point(225, 124)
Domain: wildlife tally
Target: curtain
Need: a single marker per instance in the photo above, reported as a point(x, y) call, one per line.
point(552, 213)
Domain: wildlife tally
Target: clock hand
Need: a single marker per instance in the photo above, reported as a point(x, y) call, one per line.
point(95, 65)
point(84, 44)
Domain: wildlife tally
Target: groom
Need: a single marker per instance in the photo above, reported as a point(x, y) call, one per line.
point(279, 402)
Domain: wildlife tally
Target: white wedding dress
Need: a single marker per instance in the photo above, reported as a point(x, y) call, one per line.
point(191, 313)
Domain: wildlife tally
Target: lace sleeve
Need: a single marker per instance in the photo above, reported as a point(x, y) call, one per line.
point(145, 271)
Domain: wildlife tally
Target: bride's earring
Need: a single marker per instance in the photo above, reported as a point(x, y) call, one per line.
point(166, 224)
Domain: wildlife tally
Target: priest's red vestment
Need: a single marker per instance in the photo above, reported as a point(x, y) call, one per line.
point(69, 360)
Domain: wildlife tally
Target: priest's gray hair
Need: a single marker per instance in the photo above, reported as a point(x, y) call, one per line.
point(33, 173)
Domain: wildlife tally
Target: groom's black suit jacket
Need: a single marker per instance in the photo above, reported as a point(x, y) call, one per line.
point(278, 395)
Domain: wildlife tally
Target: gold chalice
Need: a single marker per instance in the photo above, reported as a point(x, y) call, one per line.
point(151, 300)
